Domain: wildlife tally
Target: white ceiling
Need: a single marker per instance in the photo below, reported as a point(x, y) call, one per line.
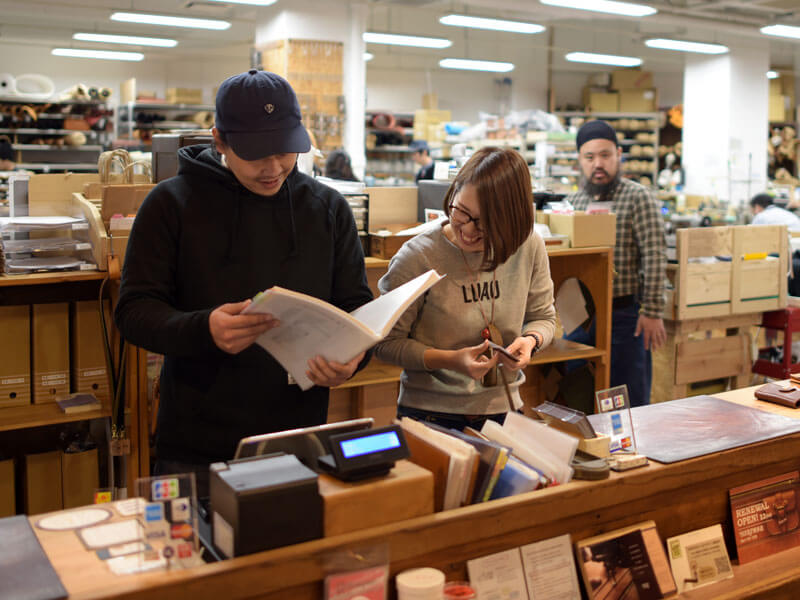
point(52, 22)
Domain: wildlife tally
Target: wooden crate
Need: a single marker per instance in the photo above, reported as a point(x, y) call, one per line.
point(749, 281)
point(701, 350)
point(759, 284)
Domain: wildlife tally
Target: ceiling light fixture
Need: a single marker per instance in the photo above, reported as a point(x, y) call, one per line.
point(772, 75)
point(103, 54)
point(788, 31)
point(125, 39)
point(251, 2)
point(604, 59)
point(605, 6)
point(368, 56)
point(476, 65)
point(493, 24)
point(405, 40)
point(127, 17)
point(684, 46)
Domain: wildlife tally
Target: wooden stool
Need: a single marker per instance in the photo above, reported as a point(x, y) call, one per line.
point(788, 321)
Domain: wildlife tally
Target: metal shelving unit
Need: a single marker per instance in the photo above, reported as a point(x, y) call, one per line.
point(132, 126)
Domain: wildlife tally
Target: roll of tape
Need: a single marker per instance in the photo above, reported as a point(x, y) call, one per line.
point(8, 86)
point(35, 86)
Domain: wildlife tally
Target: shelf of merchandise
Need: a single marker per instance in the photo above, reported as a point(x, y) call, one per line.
point(62, 287)
point(630, 125)
point(36, 141)
point(387, 152)
point(128, 129)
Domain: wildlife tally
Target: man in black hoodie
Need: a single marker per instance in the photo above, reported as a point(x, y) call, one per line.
point(237, 219)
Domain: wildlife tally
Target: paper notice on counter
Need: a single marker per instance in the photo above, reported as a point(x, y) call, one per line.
point(550, 569)
point(498, 576)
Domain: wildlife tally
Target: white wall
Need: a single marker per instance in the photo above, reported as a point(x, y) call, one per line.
point(151, 74)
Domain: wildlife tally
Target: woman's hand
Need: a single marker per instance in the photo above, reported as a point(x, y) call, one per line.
point(331, 373)
point(470, 361)
point(521, 348)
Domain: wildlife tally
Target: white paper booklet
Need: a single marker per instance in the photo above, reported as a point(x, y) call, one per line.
point(498, 576)
point(550, 569)
point(310, 326)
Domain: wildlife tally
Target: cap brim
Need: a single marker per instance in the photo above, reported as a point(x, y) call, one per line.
point(253, 145)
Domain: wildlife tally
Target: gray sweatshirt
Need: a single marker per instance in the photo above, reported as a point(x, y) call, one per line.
point(448, 317)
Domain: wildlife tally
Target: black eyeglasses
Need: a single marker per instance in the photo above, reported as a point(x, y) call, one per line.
point(462, 217)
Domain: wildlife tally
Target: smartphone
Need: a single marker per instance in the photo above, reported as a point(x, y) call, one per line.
point(503, 351)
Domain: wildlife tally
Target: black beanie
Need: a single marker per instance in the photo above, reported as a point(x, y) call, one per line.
point(594, 130)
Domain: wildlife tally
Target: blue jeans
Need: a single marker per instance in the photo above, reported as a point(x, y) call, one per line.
point(449, 420)
point(631, 364)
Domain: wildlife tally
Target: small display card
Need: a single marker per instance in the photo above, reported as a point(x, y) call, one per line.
point(550, 569)
point(169, 520)
point(698, 558)
point(615, 404)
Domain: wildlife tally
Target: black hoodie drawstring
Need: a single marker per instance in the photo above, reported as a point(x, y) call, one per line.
point(293, 234)
point(234, 223)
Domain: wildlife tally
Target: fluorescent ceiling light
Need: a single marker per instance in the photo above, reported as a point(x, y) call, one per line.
point(170, 21)
point(476, 65)
point(104, 54)
point(772, 75)
point(368, 56)
point(782, 31)
point(125, 39)
point(252, 2)
point(604, 59)
point(406, 40)
point(494, 24)
point(605, 6)
point(683, 46)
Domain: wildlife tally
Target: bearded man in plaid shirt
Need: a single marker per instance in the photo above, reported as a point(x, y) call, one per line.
point(639, 259)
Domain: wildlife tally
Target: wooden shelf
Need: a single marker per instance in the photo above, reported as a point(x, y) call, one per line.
point(54, 277)
point(560, 350)
point(37, 415)
point(375, 372)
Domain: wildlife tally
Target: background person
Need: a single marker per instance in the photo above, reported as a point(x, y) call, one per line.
point(421, 155)
point(237, 219)
point(639, 259)
point(497, 285)
point(337, 166)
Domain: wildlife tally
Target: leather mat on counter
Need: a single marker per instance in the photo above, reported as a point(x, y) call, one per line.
point(680, 429)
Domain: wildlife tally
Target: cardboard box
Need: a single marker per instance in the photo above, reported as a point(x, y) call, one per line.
point(638, 100)
point(631, 78)
point(123, 199)
point(777, 108)
point(43, 482)
point(15, 359)
point(406, 492)
point(586, 230)
point(179, 95)
point(80, 477)
point(602, 102)
point(87, 349)
point(50, 350)
point(8, 506)
point(386, 246)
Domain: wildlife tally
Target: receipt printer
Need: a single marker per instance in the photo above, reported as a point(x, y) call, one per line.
point(263, 502)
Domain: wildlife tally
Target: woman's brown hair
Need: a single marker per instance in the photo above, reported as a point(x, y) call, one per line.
point(505, 198)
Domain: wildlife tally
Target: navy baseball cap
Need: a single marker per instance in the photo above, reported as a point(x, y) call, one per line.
point(259, 114)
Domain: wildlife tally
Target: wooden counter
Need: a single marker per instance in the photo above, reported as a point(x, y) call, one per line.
point(680, 497)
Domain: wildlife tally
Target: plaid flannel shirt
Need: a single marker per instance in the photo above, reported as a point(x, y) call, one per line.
point(640, 253)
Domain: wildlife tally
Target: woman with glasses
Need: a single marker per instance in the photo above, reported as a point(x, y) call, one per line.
point(497, 293)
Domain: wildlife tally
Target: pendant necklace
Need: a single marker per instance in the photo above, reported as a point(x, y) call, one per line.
point(490, 332)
